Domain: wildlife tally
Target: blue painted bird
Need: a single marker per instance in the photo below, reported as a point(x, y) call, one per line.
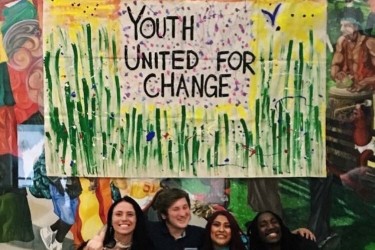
point(271, 17)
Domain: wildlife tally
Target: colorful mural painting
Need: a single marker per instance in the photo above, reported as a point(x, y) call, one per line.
point(112, 93)
point(184, 88)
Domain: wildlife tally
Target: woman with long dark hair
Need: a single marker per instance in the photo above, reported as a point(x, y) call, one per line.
point(268, 232)
point(126, 226)
point(223, 232)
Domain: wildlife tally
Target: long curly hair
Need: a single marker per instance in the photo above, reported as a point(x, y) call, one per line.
point(236, 232)
point(287, 240)
point(140, 240)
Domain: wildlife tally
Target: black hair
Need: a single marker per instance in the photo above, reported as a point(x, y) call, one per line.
point(354, 15)
point(235, 243)
point(139, 241)
point(287, 238)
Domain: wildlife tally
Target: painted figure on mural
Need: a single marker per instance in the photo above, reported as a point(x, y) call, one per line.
point(64, 194)
point(353, 62)
point(361, 179)
point(353, 72)
point(353, 66)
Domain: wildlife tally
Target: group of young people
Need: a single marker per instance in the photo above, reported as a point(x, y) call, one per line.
point(128, 229)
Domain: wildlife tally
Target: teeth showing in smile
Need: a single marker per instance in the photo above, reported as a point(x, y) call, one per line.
point(221, 236)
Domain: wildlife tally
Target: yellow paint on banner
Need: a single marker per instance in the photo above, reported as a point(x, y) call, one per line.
point(74, 14)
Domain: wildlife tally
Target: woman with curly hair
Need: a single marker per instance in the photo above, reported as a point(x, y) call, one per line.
point(268, 232)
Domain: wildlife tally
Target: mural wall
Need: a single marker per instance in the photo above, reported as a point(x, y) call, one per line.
point(101, 93)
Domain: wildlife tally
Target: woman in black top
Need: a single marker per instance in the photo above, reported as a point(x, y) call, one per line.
point(268, 232)
point(126, 227)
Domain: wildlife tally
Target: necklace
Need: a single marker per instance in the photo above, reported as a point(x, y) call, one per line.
point(122, 245)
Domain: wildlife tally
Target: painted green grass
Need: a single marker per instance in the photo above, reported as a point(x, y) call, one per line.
point(87, 119)
point(295, 120)
point(92, 130)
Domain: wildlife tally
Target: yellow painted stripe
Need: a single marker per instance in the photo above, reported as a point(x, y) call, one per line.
point(3, 55)
point(89, 211)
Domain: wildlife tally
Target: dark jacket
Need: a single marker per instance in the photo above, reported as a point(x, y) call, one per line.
point(163, 240)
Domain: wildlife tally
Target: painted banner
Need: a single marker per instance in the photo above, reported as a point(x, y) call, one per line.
point(185, 88)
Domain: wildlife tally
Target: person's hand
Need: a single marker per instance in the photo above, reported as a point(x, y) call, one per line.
point(343, 80)
point(306, 233)
point(96, 243)
point(366, 84)
point(341, 76)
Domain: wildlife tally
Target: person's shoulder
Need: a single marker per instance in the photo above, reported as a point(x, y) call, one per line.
point(154, 224)
point(370, 44)
point(192, 229)
point(341, 44)
point(195, 234)
point(196, 228)
point(306, 244)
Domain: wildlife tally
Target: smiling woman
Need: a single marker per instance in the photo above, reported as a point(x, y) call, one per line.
point(126, 227)
point(267, 231)
point(223, 233)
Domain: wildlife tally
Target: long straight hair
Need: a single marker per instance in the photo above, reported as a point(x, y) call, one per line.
point(235, 242)
point(140, 240)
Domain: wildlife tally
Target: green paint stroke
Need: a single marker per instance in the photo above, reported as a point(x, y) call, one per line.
point(226, 132)
point(186, 147)
point(278, 154)
point(308, 148)
point(195, 151)
point(104, 151)
point(260, 156)
point(257, 121)
point(111, 115)
point(216, 148)
point(139, 138)
point(288, 140)
point(208, 159)
point(276, 160)
point(70, 107)
point(182, 137)
point(247, 143)
point(158, 137)
point(170, 154)
point(288, 61)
